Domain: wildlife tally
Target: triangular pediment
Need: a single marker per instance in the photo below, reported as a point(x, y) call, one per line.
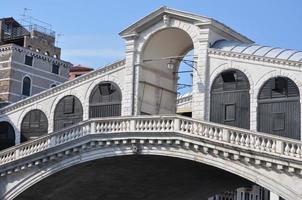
point(158, 14)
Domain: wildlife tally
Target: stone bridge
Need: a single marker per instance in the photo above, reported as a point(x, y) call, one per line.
point(261, 158)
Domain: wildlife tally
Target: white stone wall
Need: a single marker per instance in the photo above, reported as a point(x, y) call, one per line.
point(257, 72)
point(80, 87)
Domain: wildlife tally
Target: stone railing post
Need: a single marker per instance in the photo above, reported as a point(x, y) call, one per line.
point(225, 135)
point(92, 127)
point(17, 153)
point(279, 146)
point(52, 141)
point(176, 124)
point(132, 125)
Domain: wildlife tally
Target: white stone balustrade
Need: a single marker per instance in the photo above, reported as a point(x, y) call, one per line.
point(235, 137)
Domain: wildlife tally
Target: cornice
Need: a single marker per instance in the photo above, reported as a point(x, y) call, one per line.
point(243, 56)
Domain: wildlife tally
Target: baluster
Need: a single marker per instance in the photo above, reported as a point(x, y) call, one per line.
point(268, 146)
point(150, 125)
point(247, 140)
point(242, 139)
point(286, 149)
point(216, 133)
point(182, 125)
point(292, 150)
point(237, 139)
point(298, 151)
point(273, 146)
point(206, 131)
point(232, 137)
point(263, 145)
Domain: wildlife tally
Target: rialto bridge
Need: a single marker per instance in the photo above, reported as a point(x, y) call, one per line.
point(245, 104)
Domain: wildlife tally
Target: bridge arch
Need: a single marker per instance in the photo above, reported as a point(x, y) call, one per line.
point(68, 111)
point(7, 135)
point(160, 54)
point(230, 98)
point(259, 176)
point(105, 100)
point(33, 125)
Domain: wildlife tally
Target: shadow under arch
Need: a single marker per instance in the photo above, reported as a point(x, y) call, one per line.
point(68, 111)
point(230, 99)
point(160, 57)
point(7, 135)
point(33, 125)
point(279, 107)
point(105, 100)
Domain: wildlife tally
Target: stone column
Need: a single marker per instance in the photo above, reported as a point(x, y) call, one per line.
point(200, 98)
point(128, 102)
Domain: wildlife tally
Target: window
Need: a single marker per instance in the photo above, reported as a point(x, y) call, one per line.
point(279, 85)
point(229, 77)
point(229, 112)
point(278, 121)
point(26, 86)
point(38, 50)
point(28, 60)
point(55, 69)
point(53, 85)
point(46, 53)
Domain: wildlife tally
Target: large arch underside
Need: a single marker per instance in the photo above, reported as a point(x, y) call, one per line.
point(157, 90)
point(136, 177)
point(270, 179)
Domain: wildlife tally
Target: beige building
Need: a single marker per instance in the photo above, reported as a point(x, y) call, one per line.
point(29, 61)
point(78, 70)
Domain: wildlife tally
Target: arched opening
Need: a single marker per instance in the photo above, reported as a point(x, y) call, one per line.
point(136, 178)
point(105, 100)
point(26, 86)
point(68, 111)
point(159, 75)
point(230, 99)
point(279, 108)
point(33, 125)
point(7, 135)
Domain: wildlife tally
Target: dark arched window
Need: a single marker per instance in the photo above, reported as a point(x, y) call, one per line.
point(26, 86)
point(230, 99)
point(68, 111)
point(105, 100)
point(33, 125)
point(7, 135)
point(279, 108)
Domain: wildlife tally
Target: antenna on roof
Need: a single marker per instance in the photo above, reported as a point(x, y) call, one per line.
point(26, 11)
point(57, 38)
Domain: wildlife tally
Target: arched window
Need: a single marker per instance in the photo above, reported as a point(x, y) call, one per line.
point(68, 111)
point(53, 85)
point(7, 135)
point(26, 86)
point(105, 100)
point(33, 125)
point(230, 99)
point(279, 108)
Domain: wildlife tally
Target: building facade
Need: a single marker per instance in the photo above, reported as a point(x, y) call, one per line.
point(29, 61)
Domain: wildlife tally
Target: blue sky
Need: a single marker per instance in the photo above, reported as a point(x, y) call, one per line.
point(90, 28)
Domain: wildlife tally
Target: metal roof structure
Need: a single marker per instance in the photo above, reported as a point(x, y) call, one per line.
point(258, 50)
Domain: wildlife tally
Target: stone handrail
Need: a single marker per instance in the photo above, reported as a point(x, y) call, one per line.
point(62, 86)
point(215, 133)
